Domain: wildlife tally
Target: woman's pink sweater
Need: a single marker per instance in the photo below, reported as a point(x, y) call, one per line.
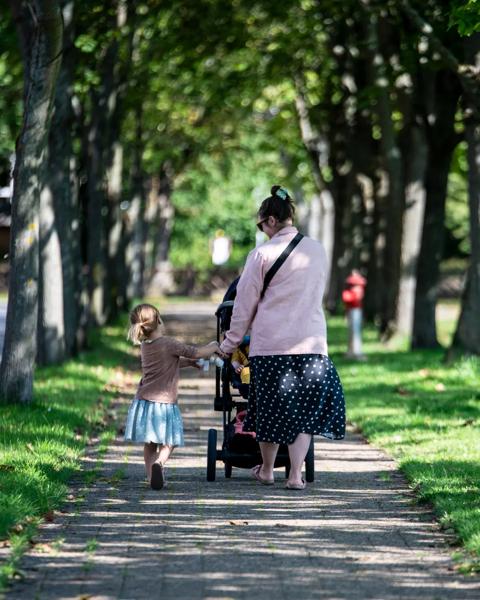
point(289, 319)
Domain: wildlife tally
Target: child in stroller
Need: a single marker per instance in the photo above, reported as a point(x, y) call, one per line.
point(241, 441)
point(241, 367)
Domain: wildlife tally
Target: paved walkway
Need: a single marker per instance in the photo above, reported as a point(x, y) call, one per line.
point(355, 534)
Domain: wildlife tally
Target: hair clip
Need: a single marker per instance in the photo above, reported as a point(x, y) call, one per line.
point(282, 193)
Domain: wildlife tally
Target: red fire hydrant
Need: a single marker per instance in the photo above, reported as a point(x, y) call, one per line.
point(352, 297)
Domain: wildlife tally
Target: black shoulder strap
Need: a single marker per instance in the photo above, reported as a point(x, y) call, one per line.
point(279, 262)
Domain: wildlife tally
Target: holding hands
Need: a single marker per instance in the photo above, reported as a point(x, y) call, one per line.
point(208, 350)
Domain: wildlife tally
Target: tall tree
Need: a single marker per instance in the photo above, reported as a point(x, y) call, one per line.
point(59, 218)
point(441, 140)
point(42, 26)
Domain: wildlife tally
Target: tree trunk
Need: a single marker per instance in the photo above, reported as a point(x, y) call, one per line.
point(314, 143)
point(162, 280)
point(342, 189)
point(64, 184)
point(135, 256)
point(392, 165)
point(83, 295)
point(59, 223)
point(116, 261)
point(326, 221)
point(105, 271)
point(51, 332)
point(441, 138)
point(101, 144)
point(323, 220)
point(340, 251)
point(151, 217)
point(412, 224)
point(136, 219)
point(467, 335)
point(376, 257)
point(96, 212)
point(16, 373)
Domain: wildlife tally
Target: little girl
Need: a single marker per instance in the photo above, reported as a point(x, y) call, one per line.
point(153, 417)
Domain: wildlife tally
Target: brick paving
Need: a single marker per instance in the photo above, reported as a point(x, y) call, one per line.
point(354, 534)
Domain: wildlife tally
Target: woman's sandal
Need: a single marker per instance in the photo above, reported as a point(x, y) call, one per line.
point(296, 486)
point(256, 474)
point(158, 476)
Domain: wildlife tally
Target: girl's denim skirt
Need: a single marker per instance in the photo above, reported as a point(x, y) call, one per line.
point(155, 422)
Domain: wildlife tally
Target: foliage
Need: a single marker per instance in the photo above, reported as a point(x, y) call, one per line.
point(465, 15)
point(11, 84)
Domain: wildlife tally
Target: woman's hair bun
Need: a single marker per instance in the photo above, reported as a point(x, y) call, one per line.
point(279, 192)
point(279, 205)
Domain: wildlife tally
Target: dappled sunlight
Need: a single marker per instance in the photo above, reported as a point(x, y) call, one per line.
point(354, 530)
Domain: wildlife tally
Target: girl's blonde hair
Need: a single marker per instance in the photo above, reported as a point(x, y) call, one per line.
point(144, 319)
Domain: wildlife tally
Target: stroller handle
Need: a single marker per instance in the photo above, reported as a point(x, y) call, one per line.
point(226, 304)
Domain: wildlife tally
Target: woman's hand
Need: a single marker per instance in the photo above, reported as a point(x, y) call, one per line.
point(222, 354)
point(237, 366)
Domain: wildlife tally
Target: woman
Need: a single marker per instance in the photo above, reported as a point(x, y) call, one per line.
point(295, 390)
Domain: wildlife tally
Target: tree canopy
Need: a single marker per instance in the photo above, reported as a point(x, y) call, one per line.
point(166, 123)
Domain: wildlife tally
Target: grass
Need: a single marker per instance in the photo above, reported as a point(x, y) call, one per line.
point(426, 415)
point(40, 444)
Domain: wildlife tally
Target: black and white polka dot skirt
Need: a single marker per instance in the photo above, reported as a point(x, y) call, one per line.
point(292, 394)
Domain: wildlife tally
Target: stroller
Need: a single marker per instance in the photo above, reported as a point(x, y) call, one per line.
point(239, 449)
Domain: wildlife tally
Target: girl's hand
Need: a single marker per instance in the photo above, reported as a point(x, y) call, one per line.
point(214, 347)
point(207, 350)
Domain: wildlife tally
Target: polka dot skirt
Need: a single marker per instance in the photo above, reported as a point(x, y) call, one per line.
point(292, 394)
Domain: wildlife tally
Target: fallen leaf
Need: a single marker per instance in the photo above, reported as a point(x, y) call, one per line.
point(440, 387)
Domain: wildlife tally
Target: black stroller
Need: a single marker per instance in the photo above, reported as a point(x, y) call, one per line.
point(238, 449)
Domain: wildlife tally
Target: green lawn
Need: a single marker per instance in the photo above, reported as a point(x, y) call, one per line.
point(427, 416)
point(40, 444)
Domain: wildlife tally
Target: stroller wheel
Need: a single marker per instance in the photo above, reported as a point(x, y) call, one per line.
point(310, 463)
point(228, 470)
point(211, 454)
